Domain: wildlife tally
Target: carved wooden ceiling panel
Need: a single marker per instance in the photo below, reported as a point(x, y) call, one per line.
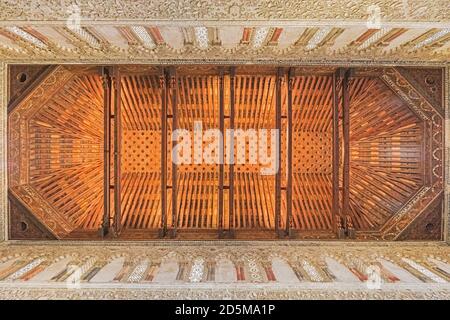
point(395, 145)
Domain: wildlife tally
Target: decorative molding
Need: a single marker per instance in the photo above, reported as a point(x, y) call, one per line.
point(240, 54)
point(249, 292)
point(223, 10)
point(319, 284)
point(74, 30)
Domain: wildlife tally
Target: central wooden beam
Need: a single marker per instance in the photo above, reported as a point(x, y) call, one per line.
point(279, 80)
point(231, 155)
point(173, 87)
point(289, 152)
point(106, 80)
point(337, 82)
point(164, 94)
point(346, 138)
point(117, 150)
point(221, 152)
point(349, 228)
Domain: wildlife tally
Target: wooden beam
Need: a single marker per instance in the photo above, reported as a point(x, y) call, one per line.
point(349, 228)
point(289, 152)
point(335, 161)
point(117, 150)
point(231, 156)
point(278, 115)
point(106, 80)
point(346, 141)
point(164, 95)
point(221, 151)
point(173, 87)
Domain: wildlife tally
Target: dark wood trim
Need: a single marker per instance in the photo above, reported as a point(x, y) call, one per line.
point(289, 152)
point(164, 95)
point(278, 115)
point(106, 80)
point(346, 142)
point(173, 87)
point(19, 98)
point(221, 151)
point(117, 150)
point(231, 149)
point(335, 151)
point(29, 214)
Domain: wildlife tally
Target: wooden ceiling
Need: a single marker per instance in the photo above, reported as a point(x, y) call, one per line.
point(395, 151)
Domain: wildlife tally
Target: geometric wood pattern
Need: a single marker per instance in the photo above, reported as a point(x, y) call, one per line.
point(386, 143)
point(66, 151)
point(312, 150)
point(395, 145)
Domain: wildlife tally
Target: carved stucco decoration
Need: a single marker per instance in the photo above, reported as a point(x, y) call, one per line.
point(350, 256)
point(350, 10)
point(164, 54)
point(220, 13)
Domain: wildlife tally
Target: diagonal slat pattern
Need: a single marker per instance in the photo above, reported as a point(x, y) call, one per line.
point(386, 154)
point(66, 151)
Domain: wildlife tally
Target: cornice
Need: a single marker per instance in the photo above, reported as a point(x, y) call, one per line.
point(223, 10)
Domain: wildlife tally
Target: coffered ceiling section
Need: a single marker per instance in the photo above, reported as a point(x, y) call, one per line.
point(235, 30)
